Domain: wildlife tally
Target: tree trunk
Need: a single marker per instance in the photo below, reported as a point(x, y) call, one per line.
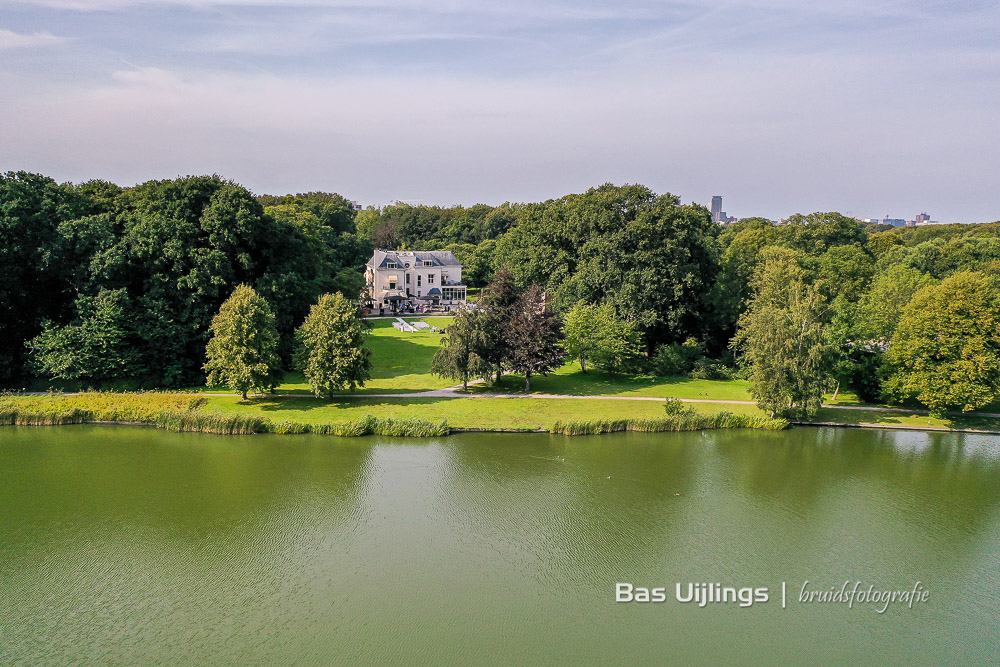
point(836, 391)
point(583, 363)
point(465, 384)
point(527, 382)
point(244, 396)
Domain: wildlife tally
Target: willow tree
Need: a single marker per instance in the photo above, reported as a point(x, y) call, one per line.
point(243, 349)
point(781, 338)
point(457, 358)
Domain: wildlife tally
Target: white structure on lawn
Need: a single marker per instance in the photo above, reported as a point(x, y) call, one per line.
point(397, 279)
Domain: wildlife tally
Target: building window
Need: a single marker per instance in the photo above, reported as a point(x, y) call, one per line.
point(392, 285)
point(418, 282)
point(391, 265)
point(407, 278)
point(407, 265)
point(428, 262)
point(430, 279)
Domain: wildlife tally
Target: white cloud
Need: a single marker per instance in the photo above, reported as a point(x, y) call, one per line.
point(14, 40)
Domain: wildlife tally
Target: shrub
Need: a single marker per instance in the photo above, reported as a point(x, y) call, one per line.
point(674, 406)
point(676, 358)
point(708, 369)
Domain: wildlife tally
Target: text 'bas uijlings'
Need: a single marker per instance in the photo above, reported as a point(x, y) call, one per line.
point(701, 594)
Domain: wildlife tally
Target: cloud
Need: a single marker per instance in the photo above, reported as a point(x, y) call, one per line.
point(773, 144)
point(872, 106)
point(13, 40)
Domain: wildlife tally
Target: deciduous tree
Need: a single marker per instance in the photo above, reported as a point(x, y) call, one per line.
point(331, 346)
point(457, 359)
point(598, 334)
point(535, 337)
point(946, 348)
point(243, 349)
point(781, 339)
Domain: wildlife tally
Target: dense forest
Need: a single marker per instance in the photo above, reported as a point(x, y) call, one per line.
point(112, 286)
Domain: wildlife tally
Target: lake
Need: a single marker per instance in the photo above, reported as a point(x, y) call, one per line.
point(124, 545)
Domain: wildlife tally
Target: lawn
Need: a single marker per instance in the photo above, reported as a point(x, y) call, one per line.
point(401, 362)
point(471, 411)
point(902, 418)
point(464, 412)
point(570, 380)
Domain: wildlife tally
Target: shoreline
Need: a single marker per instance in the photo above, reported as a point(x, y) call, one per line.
point(514, 431)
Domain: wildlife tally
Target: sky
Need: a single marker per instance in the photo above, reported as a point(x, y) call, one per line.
point(868, 107)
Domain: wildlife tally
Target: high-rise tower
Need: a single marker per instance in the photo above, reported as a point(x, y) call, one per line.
point(716, 208)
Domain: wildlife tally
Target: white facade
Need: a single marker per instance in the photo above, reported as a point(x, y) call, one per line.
point(414, 278)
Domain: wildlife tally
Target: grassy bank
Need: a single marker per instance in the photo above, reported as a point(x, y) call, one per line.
point(188, 413)
point(431, 416)
point(693, 421)
point(422, 416)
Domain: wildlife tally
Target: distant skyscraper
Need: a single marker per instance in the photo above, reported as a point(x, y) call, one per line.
point(716, 208)
point(922, 219)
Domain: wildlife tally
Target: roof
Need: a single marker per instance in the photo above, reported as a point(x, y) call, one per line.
point(434, 291)
point(380, 258)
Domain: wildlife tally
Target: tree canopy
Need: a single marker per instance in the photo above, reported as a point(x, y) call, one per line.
point(945, 351)
point(332, 354)
point(243, 349)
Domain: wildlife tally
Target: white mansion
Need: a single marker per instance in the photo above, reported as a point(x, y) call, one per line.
point(399, 279)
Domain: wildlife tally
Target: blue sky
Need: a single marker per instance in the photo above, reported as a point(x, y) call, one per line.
point(782, 106)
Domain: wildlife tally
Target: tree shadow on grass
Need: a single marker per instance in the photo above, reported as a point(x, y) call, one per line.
point(602, 383)
point(307, 404)
point(859, 416)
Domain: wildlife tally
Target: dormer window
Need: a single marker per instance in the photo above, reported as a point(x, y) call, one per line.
point(428, 262)
point(407, 265)
point(391, 265)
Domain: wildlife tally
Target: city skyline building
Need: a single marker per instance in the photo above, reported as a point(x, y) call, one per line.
point(717, 213)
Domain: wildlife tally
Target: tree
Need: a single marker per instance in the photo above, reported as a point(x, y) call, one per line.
point(534, 336)
point(880, 308)
point(620, 341)
point(846, 271)
point(583, 332)
point(457, 359)
point(781, 338)
point(243, 349)
point(32, 207)
point(498, 305)
point(946, 348)
point(645, 254)
point(597, 333)
point(95, 348)
point(331, 352)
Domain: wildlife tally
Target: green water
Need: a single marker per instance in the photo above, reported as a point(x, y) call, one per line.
point(127, 545)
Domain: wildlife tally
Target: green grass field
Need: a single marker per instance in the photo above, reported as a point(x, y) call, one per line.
point(401, 364)
point(469, 412)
